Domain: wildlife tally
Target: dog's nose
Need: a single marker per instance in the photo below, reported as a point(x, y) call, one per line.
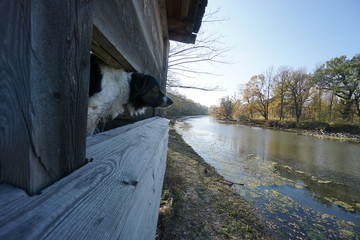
point(169, 101)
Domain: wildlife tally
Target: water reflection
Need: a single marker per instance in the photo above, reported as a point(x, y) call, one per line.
point(328, 160)
point(324, 174)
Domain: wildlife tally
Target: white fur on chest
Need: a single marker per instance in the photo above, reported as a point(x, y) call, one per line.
point(115, 90)
point(110, 101)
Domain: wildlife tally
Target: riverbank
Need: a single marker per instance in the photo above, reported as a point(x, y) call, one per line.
point(197, 203)
point(338, 132)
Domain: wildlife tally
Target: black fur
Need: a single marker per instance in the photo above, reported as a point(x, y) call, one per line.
point(145, 91)
point(95, 76)
point(141, 90)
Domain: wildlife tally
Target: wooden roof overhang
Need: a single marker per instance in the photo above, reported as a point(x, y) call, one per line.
point(184, 19)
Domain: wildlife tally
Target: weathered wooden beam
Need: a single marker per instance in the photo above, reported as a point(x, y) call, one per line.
point(184, 19)
point(44, 84)
point(95, 139)
point(115, 196)
point(134, 29)
point(15, 118)
point(182, 37)
point(107, 52)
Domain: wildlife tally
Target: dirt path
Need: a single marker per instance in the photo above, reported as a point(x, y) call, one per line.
point(199, 204)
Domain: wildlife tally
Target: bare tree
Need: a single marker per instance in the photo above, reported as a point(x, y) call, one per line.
point(184, 59)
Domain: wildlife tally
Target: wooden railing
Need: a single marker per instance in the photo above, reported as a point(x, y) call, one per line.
point(115, 196)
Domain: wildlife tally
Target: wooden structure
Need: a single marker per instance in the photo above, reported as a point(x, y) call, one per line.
point(102, 200)
point(184, 19)
point(45, 54)
point(44, 64)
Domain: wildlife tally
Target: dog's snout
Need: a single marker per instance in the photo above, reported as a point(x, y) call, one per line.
point(169, 101)
point(166, 102)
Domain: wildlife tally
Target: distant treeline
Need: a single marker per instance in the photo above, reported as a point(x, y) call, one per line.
point(329, 94)
point(184, 107)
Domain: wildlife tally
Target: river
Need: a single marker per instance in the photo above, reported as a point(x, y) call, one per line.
point(303, 187)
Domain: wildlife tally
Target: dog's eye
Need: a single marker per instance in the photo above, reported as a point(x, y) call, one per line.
point(155, 89)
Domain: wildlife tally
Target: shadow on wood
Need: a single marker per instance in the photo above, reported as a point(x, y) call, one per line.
point(115, 196)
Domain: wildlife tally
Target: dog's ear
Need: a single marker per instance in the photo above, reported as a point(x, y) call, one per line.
point(140, 82)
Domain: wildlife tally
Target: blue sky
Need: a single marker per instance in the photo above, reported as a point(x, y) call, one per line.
point(264, 33)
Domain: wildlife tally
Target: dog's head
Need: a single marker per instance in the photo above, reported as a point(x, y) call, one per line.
point(145, 91)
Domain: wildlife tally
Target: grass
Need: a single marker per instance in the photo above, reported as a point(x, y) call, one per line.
point(198, 204)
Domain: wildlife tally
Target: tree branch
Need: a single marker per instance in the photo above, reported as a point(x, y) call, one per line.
point(207, 89)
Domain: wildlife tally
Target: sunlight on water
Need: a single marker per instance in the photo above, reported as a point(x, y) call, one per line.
point(305, 187)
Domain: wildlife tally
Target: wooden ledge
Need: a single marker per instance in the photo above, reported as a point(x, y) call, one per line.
point(115, 196)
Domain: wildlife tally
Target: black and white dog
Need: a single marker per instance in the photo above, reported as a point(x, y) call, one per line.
point(113, 90)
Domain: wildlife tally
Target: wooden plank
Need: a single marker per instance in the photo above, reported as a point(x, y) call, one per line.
point(107, 52)
point(132, 27)
point(146, 204)
point(160, 10)
point(116, 196)
point(185, 5)
point(46, 61)
point(92, 140)
point(152, 29)
point(15, 119)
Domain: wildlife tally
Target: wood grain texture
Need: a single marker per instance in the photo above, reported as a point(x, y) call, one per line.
point(59, 80)
point(92, 140)
point(44, 82)
point(116, 196)
point(15, 123)
point(135, 29)
point(107, 52)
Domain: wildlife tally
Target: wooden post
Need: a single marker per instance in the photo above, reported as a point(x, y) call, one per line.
point(115, 196)
point(44, 53)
